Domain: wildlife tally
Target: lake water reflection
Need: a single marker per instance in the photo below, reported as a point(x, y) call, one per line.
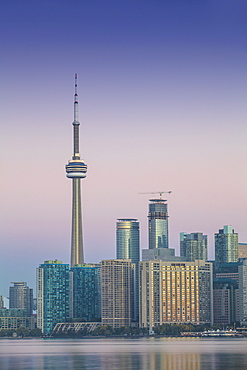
point(124, 354)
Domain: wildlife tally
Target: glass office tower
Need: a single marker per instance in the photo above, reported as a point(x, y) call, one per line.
point(194, 246)
point(128, 247)
point(128, 240)
point(158, 224)
point(226, 246)
point(52, 294)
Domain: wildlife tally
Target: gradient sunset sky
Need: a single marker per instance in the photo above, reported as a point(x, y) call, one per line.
point(162, 106)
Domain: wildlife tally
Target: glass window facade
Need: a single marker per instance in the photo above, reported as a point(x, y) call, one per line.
point(158, 224)
point(193, 246)
point(175, 292)
point(52, 294)
point(85, 292)
point(128, 247)
point(226, 246)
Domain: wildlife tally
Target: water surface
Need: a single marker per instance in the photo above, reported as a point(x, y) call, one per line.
point(124, 354)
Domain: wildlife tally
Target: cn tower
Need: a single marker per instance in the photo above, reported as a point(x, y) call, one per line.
point(76, 170)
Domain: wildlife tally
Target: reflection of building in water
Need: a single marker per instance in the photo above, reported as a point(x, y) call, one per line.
point(171, 361)
point(175, 292)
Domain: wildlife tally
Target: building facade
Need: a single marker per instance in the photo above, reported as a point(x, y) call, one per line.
point(228, 272)
point(21, 296)
point(242, 270)
point(52, 294)
point(225, 301)
point(242, 250)
point(117, 292)
point(128, 247)
point(85, 292)
point(1, 302)
point(226, 246)
point(175, 292)
point(194, 246)
point(14, 318)
point(158, 224)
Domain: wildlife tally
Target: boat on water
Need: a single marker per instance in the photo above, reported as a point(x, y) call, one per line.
point(214, 333)
point(221, 333)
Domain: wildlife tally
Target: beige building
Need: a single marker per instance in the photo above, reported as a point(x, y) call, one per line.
point(242, 250)
point(117, 292)
point(175, 292)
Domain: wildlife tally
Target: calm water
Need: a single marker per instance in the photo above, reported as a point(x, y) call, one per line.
point(124, 354)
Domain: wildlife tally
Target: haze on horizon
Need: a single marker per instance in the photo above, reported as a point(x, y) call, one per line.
point(162, 106)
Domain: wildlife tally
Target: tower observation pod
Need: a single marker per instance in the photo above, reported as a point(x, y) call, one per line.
point(76, 170)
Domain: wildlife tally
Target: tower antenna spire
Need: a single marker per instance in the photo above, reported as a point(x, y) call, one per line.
point(76, 121)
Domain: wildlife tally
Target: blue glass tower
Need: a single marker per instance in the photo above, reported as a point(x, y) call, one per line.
point(158, 224)
point(52, 294)
point(85, 292)
point(128, 247)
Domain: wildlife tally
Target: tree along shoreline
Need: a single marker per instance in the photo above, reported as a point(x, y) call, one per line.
point(103, 331)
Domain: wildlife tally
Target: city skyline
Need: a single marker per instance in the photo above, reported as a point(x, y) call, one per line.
point(162, 106)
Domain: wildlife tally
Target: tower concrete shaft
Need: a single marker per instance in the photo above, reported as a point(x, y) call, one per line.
point(76, 170)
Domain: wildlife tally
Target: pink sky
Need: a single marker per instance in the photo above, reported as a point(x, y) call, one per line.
point(159, 110)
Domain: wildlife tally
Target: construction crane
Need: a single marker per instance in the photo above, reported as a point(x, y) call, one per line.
point(158, 192)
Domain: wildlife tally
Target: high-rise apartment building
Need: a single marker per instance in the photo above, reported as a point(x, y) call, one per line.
point(128, 247)
point(175, 292)
point(76, 170)
point(21, 296)
point(193, 246)
point(85, 292)
point(227, 274)
point(225, 304)
point(117, 292)
point(226, 246)
point(52, 294)
point(158, 224)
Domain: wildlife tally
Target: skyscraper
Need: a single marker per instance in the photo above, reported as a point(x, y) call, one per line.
point(52, 294)
point(21, 296)
point(85, 292)
point(242, 270)
point(117, 292)
point(127, 235)
point(158, 224)
point(175, 292)
point(193, 246)
point(76, 170)
point(226, 246)
point(128, 246)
